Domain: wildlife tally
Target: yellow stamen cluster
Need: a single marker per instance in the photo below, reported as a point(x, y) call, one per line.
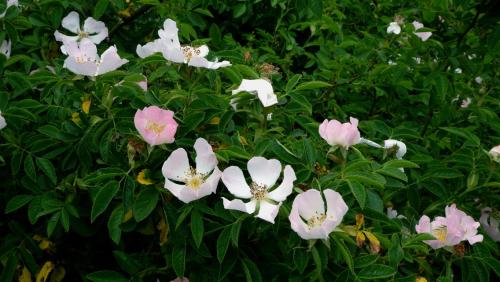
point(259, 192)
point(83, 34)
point(156, 128)
point(193, 179)
point(440, 233)
point(316, 220)
point(190, 52)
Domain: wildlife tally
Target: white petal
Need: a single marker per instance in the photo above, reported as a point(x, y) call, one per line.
point(176, 166)
point(86, 48)
point(235, 182)
point(268, 211)
point(110, 61)
point(97, 28)
point(202, 51)
point(174, 55)
point(72, 22)
point(86, 68)
point(176, 190)
point(205, 157)
point(336, 207)
point(61, 37)
point(285, 189)
point(310, 203)
point(5, 48)
point(369, 143)
point(169, 34)
point(204, 63)
point(264, 172)
point(149, 49)
point(394, 28)
point(262, 87)
point(213, 179)
point(3, 123)
point(298, 225)
point(239, 205)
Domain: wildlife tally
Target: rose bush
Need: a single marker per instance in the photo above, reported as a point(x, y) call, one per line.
point(256, 140)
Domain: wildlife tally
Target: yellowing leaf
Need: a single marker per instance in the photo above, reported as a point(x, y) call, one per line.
point(58, 274)
point(45, 271)
point(374, 242)
point(360, 239)
point(243, 140)
point(128, 216)
point(25, 275)
point(86, 106)
point(75, 117)
point(350, 229)
point(360, 219)
point(420, 279)
point(163, 227)
point(214, 121)
point(43, 243)
point(141, 178)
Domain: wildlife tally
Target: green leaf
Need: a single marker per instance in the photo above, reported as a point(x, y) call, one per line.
point(100, 8)
point(376, 271)
point(9, 269)
point(179, 259)
point(235, 232)
point(104, 196)
point(359, 192)
point(106, 276)
point(400, 164)
point(252, 272)
point(312, 85)
point(145, 203)
point(114, 222)
point(65, 219)
point(48, 169)
point(292, 82)
point(346, 254)
point(223, 243)
point(197, 228)
point(464, 133)
point(29, 167)
point(17, 202)
point(52, 223)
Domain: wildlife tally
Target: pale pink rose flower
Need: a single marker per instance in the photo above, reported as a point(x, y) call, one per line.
point(261, 192)
point(189, 183)
point(170, 47)
point(95, 31)
point(491, 225)
point(143, 84)
point(391, 213)
point(340, 134)
point(495, 153)
point(450, 230)
point(311, 219)
point(157, 126)
point(423, 35)
point(83, 59)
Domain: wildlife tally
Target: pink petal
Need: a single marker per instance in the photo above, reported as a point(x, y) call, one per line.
point(235, 182)
point(285, 189)
point(264, 172)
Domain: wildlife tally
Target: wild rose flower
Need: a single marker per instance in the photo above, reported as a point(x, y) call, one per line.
point(9, 4)
point(458, 70)
point(423, 35)
point(261, 87)
point(95, 31)
point(263, 197)
point(5, 48)
point(450, 230)
point(188, 183)
point(495, 153)
point(157, 126)
point(3, 123)
point(83, 59)
point(340, 134)
point(491, 226)
point(391, 213)
point(394, 28)
point(308, 216)
point(478, 80)
point(143, 84)
point(400, 146)
point(169, 45)
point(466, 102)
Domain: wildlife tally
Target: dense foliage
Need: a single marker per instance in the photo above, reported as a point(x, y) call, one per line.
point(82, 193)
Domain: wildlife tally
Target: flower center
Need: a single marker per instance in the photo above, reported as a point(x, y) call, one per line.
point(259, 192)
point(316, 220)
point(440, 233)
point(82, 59)
point(156, 128)
point(189, 52)
point(193, 179)
point(83, 34)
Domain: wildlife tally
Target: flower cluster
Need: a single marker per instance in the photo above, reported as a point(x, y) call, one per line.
point(395, 28)
point(450, 230)
point(81, 48)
